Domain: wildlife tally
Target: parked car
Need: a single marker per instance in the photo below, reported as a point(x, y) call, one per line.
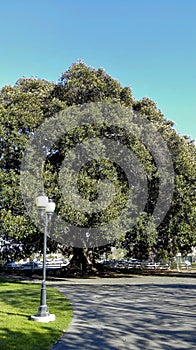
point(10, 265)
point(134, 264)
point(31, 265)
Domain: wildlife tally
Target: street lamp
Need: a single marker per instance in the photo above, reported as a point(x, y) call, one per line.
point(46, 208)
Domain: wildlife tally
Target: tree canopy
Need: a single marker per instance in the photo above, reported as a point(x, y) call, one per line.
point(26, 105)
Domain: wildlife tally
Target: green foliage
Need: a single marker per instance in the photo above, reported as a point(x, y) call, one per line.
point(177, 231)
point(22, 108)
point(81, 84)
point(30, 102)
point(142, 239)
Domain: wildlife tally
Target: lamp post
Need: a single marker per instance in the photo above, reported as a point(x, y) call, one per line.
point(46, 209)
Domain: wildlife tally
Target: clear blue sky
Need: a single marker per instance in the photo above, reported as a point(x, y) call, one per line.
point(149, 45)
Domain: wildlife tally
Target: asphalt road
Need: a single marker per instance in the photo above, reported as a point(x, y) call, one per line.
point(139, 313)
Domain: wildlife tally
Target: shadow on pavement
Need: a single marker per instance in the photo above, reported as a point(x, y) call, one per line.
point(136, 317)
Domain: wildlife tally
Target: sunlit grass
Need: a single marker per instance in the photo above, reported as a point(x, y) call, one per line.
point(18, 301)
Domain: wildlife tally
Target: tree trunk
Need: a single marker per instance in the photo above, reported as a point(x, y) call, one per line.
point(81, 260)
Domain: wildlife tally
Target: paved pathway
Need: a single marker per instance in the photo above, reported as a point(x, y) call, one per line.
point(139, 313)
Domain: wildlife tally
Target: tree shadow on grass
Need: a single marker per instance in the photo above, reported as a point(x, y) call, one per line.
point(14, 313)
point(22, 340)
point(27, 298)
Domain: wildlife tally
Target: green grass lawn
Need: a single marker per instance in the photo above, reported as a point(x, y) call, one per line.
point(18, 301)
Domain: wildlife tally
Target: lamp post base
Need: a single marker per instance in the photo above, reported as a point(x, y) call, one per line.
point(43, 315)
point(48, 318)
